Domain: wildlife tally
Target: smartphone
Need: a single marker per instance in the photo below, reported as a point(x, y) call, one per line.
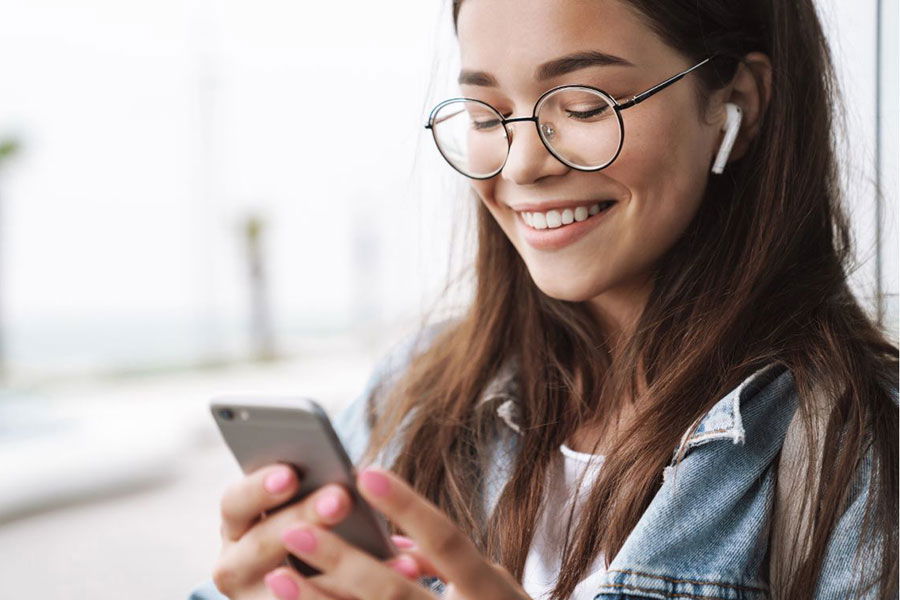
point(265, 429)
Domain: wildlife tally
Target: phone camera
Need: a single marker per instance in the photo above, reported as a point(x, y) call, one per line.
point(226, 413)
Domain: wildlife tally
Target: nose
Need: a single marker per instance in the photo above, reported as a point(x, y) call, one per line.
point(528, 160)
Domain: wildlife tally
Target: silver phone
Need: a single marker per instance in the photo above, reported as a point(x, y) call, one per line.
point(263, 429)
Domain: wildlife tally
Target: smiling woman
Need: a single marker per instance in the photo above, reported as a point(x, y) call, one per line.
point(658, 306)
point(661, 301)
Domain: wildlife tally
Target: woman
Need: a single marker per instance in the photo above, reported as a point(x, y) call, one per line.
point(647, 293)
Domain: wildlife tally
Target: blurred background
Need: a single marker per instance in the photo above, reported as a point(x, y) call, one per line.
point(203, 196)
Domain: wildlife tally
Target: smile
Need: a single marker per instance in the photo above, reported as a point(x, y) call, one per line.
point(557, 228)
point(555, 218)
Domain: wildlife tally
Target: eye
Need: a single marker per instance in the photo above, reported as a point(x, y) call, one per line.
point(589, 112)
point(481, 118)
point(485, 124)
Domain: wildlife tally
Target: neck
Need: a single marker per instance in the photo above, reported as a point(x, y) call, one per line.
point(618, 309)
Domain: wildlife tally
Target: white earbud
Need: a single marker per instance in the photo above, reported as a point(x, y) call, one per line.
point(731, 128)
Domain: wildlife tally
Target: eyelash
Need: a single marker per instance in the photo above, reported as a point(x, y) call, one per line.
point(587, 113)
point(617, 97)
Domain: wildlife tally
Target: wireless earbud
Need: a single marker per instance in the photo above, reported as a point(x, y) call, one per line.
point(731, 127)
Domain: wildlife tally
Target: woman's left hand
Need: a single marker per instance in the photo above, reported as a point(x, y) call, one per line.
point(442, 550)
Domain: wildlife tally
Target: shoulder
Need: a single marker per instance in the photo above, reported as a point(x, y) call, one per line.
point(398, 358)
point(747, 410)
point(841, 569)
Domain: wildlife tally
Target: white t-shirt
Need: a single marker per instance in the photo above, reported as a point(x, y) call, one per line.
point(543, 564)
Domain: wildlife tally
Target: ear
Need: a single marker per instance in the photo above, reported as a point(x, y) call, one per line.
point(750, 89)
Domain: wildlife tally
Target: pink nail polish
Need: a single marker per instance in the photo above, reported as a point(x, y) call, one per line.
point(402, 541)
point(328, 505)
point(375, 482)
point(299, 540)
point(278, 481)
point(282, 586)
point(406, 566)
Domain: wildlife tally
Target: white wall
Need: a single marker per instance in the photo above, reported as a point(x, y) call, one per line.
point(149, 129)
point(853, 29)
point(889, 136)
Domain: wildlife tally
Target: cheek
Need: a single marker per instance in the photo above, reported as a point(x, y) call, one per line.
point(484, 188)
point(664, 147)
point(485, 191)
point(664, 163)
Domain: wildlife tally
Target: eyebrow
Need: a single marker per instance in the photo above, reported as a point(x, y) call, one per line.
point(553, 68)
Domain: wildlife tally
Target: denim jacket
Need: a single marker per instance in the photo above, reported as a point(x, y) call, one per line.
point(706, 533)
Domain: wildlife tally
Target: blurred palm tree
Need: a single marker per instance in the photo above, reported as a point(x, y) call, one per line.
point(9, 147)
point(261, 337)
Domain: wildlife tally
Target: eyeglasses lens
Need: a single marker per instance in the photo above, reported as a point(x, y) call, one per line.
point(578, 125)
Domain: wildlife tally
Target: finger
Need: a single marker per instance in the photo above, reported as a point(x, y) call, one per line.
point(450, 551)
point(244, 501)
point(424, 565)
point(260, 549)
point(359, 572)
point(287, 584)
point(408, 546)
point(406, 565)
point(229, 588)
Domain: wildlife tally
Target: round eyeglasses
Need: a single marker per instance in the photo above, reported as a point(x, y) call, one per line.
point(580, 125)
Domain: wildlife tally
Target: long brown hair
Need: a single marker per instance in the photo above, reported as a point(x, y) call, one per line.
point(759, 276)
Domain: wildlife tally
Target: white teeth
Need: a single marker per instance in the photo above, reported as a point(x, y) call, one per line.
point(553, 219)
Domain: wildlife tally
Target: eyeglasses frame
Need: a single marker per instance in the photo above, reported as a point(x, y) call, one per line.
point(617, 108)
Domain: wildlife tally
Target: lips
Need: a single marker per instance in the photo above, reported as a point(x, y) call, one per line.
point(556, 234)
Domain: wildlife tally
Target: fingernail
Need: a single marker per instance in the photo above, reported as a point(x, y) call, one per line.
point(402, 541)
point(282, 586)
point(406, 566)
point(328, 505)
point(299, 540)
point(375, 482)
point(278, 481)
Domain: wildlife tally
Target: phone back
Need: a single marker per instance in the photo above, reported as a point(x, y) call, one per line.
point(266, 429)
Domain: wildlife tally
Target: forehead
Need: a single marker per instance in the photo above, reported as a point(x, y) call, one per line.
point(510, 38)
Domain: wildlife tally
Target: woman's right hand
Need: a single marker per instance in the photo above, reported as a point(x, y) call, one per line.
point(251, 543)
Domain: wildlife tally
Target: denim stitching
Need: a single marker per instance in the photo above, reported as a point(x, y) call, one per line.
point(700, 436)
point(668, 595)
point(736, 429)
point(699, 439)
point(727, 585)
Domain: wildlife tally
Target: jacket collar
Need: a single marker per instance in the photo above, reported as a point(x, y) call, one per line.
point(722, 421)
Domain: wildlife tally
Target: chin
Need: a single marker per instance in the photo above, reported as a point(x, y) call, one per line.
point(568, 289)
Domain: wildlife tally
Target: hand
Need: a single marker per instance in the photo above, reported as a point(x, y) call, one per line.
point(251, 545)
point(442, 550)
